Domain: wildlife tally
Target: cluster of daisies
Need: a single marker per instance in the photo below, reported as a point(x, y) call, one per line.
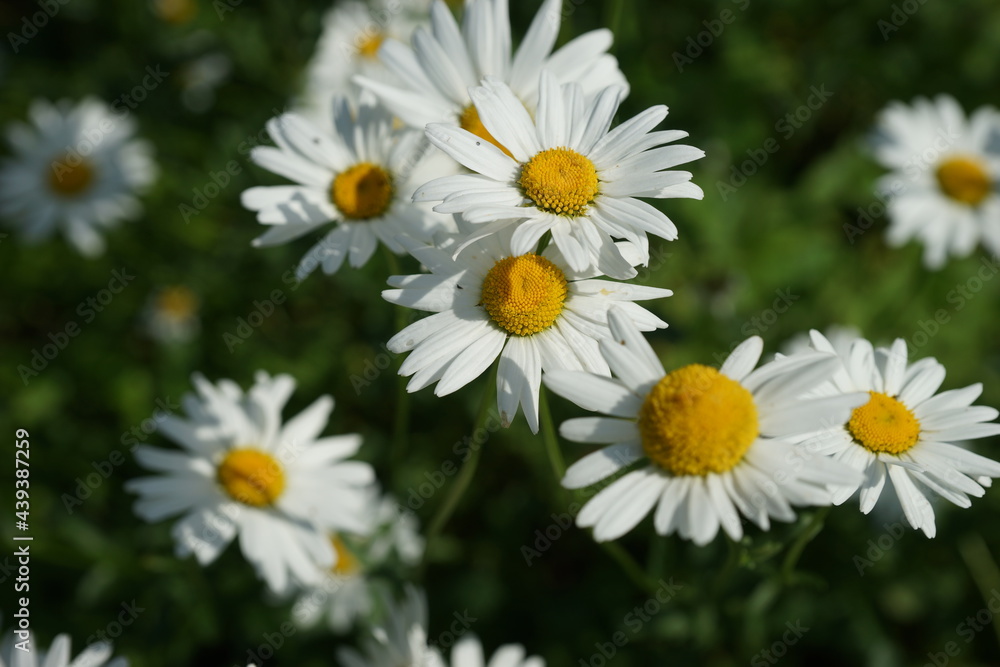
point(501, 171)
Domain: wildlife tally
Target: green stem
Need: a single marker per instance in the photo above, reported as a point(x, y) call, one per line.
point(810, 530)
point(983, 569)
point(549, 436)
point(465, 475)
point(629, 566)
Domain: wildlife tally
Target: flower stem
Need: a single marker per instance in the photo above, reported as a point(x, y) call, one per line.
point(810, 530)
point(465, 475)
point(628, 565)
point(549, 436)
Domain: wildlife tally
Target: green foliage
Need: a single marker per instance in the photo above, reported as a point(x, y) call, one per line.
point(782, 232)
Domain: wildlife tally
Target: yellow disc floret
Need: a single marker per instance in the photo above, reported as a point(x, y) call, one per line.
point(347, 563)
point(177, 302)
point(70, 177)
point(697, 421)
point(469, 121)
point(251, 476)
point(361, 192)
point(524, 294)
point(559, 180)
point(368, 43)
point(884, 425)
point(964, 179)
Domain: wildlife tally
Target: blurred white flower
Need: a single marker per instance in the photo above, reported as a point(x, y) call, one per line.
point(945, 171)
point(77, 169)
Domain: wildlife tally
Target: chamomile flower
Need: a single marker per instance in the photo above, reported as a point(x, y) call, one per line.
point(97, 654)
point(563, 172)
point(76, 169)
point(351, 587)
point(400, 642)
point(353, 31)
point(711, 444)
point(906, 431)
point(468, 652)
point(280, 487)
point(533, 311)
point(171, 314)
point(944, 176)
point(445, 61)
point(361, 177)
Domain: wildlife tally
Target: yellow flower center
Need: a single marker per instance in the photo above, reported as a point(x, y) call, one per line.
point(251, 477)
point(177, 302)
point(364, 191)
point(559, 180)
point(469, 121)
point(883, 424)
point(524, 294)
point(697, 421)
point(347, 563)
point(964, 179)
point(69, 179)
point(369, 43)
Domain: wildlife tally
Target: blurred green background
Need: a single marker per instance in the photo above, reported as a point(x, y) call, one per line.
point(780, 233)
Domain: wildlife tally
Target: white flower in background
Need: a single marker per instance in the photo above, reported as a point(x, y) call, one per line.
point(943, 183)
point(76, 169)
point(905, 432)
point(564, 172)
point(352, 33)
point(400, 642)
point(200, 77)
point(468, 652)
point(361, 177)
point(532, 311)
point(281, 488)
point(171, 315)
point(711, 444)
point(349, 590)
point(445, 61)
point(96, 654)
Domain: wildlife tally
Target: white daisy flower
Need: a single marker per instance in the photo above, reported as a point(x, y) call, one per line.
point(533, 311)
point(400, 642)
point(361, 177)
point(352, 33)
point(944, 177)
point(76, 169)
point(445, 61)
point(97, 654)
point(171, 314)
point(348, 591)
point(906, 432)
point(565, 174)
point(468, 652)
point(281, 488)
point(713, 444)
